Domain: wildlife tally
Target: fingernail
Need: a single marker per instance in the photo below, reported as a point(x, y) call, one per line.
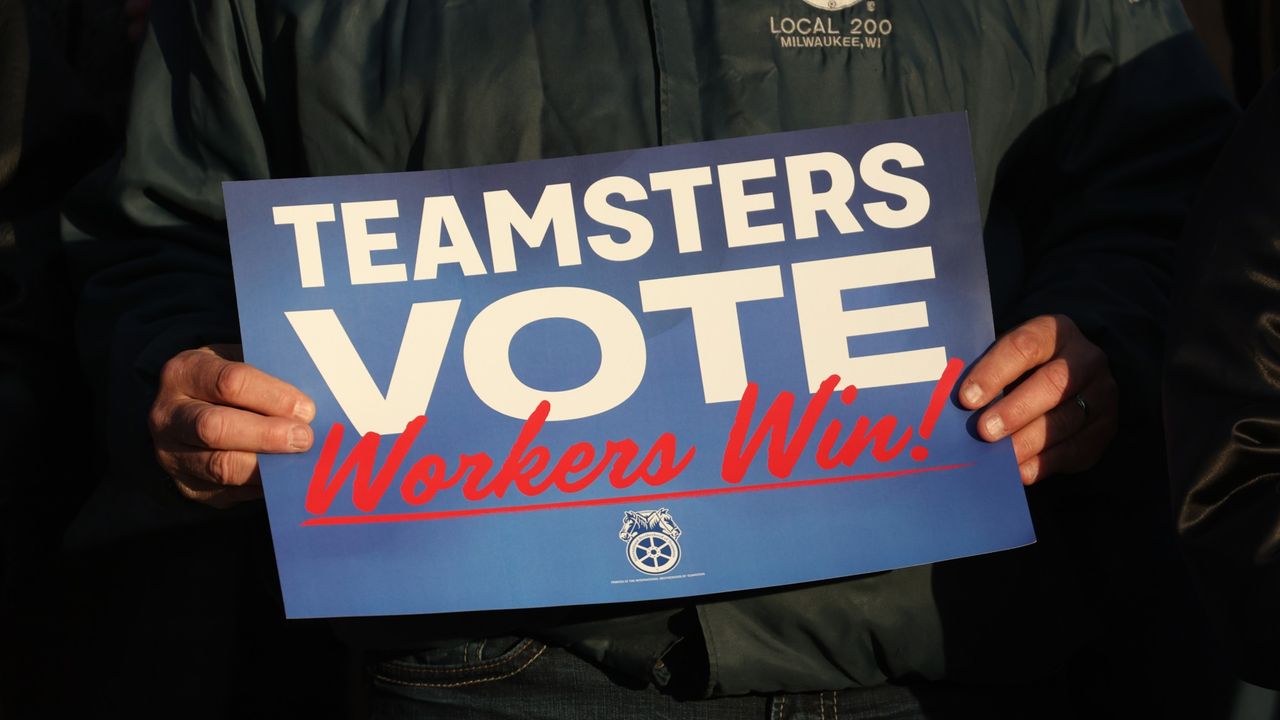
point(995, 427)
point(305, 410)
point(971, 394)
point(300, 437)
point(1030, 471)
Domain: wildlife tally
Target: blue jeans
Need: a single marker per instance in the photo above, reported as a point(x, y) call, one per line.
point(523, 679)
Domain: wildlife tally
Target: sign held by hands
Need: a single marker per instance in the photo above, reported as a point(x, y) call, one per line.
point(741, 351)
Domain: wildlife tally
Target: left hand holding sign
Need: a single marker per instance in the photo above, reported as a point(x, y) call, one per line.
point(1061, 405)
point(211, 416)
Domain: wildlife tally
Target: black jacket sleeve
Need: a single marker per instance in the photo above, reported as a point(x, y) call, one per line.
point(1222, 393)
point(150, 231)
point(1100, 185)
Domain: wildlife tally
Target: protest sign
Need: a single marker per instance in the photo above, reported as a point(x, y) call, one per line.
point(655, 373)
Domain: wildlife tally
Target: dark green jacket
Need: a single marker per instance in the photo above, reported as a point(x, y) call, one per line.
point(1092, 122)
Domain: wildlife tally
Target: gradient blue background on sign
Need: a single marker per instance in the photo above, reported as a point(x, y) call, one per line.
point(573, 555)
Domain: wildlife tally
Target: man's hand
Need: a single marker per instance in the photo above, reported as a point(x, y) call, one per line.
point(212, 415)
point(1061, 405)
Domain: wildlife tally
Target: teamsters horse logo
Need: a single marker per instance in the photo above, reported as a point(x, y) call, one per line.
point(651, 537)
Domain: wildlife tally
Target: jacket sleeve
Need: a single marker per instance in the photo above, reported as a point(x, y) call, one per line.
point(1101, 184)
point(149, 231)
point(1222, 393)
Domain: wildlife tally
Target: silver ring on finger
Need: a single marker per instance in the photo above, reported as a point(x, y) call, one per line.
point(1084, 406)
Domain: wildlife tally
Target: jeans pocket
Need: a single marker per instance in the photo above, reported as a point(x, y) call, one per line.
point(471, 663)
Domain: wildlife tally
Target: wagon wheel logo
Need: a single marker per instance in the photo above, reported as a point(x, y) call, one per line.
point(651, 537)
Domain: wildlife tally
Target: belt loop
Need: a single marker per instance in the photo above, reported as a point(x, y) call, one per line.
point(777, 706)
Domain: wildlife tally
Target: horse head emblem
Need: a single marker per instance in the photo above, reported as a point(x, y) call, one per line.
point(651, 540)
point(635, 522)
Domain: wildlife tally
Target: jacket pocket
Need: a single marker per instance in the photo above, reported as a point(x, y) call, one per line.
point(470, 663)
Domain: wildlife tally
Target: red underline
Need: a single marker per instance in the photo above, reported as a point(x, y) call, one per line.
point(628, 499)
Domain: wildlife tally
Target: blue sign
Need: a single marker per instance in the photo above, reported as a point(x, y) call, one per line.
point(658, 373)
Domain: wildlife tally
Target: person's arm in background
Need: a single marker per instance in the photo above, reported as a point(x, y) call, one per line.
point(154, 226)
point(1222, 393)
point(64, 77)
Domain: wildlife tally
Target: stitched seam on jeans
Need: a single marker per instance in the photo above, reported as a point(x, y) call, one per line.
point(508, 658)
point(822, 705)
point(782, 704)
point(462, 683)
point(835, 704)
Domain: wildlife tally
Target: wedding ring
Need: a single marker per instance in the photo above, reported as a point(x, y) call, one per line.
point(1084, 406)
